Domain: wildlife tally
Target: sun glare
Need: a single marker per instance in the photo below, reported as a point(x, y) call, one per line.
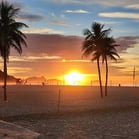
point(73, 78)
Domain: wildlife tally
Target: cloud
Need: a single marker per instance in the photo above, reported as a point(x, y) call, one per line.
point(30, 17)
point(133, 6)
point(26, 12)
point(65, 1)
point(17, 4)
point(43, 57)
point(68, 47)
point(19, 70)
point(120, 15)
point(92, 2)
point(33, 58)
point(108, 22)
point(113, 3)
point(65, 47)
point(38, 18)
point(42, 31)
point(80, 11)
point(119, 61)
point(80, 61)
point(58, 22)
point(126, 43)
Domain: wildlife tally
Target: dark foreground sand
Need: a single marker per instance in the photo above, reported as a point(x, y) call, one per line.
point(83, 114)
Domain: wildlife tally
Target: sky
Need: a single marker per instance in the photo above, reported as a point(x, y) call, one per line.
point(55, 36)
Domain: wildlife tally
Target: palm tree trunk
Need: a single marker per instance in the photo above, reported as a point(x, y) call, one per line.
point(100, 82)
point(106, 83)
point(5, 77)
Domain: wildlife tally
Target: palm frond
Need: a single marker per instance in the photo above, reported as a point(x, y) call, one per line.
point(10, 35)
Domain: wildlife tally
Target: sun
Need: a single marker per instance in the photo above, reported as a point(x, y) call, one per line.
point(73, 78)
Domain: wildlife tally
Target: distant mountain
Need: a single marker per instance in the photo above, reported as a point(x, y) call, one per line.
point(9, 77)
point(36, 79)
point(42, 79)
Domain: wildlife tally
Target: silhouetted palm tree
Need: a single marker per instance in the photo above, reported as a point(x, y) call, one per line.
point(108, 51)
point(93, 44)
point(10, 35)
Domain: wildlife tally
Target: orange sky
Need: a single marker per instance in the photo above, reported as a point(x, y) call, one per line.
point(53, 56)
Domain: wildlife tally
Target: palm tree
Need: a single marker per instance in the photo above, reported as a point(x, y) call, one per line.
point(10, 35)
point(92, 45)
point(108, 51)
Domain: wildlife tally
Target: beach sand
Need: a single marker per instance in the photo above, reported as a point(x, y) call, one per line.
point(83, 113)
